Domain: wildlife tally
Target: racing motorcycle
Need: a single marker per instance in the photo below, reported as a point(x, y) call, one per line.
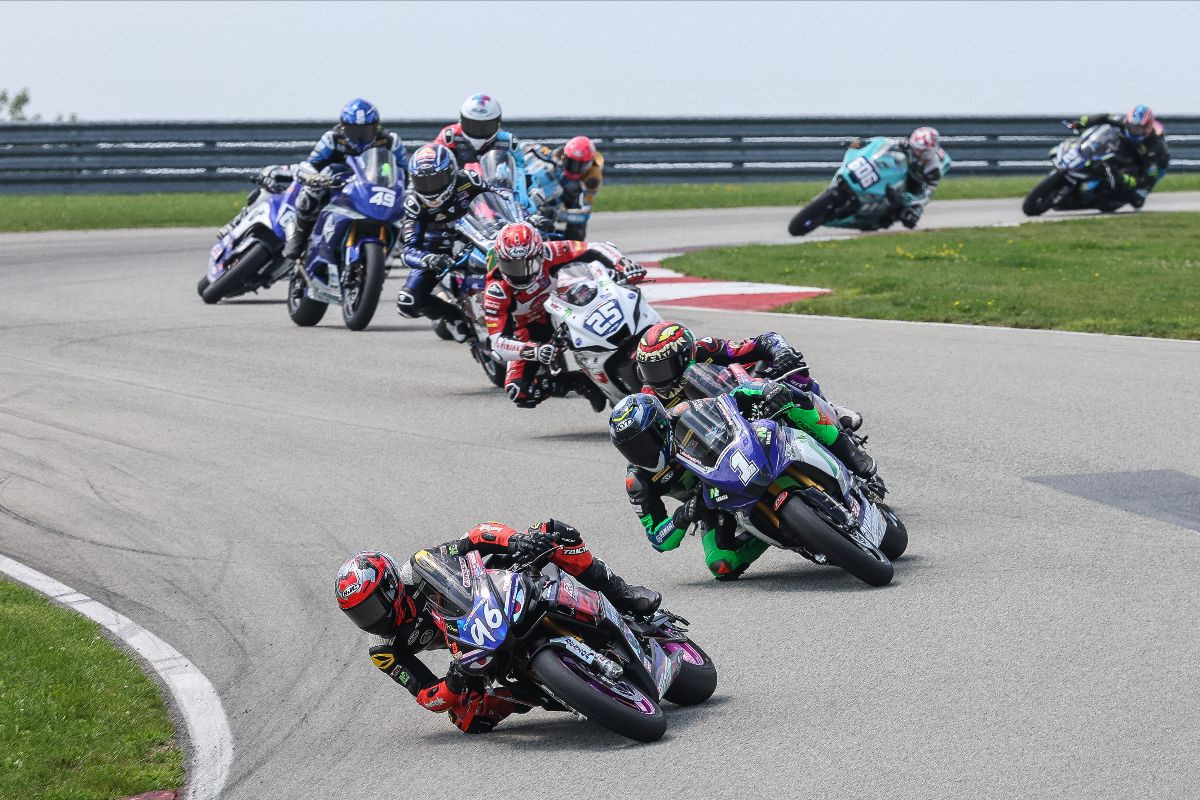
point(865, 192)
point(248, 255)
point(1082, 175)
point(778, 484)
point(600, 321)
point(344, 264)
point(556, 644)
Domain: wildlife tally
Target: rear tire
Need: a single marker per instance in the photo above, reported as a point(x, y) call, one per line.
point(357, 315)
point(496, 371)
point(816, 213)
point(804, 524)
point(695, 683)
point(1040, 199)
point(304, 311)
point(549, 667)
point(237, 278)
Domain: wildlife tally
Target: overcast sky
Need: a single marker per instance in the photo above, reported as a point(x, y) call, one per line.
point(296, 60)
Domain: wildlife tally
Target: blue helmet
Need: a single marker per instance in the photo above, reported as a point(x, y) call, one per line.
point(640, 428)
point(431, 172)
point(359, 123)
point(1139, 123)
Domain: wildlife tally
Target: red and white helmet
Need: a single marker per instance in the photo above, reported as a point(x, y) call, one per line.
point(578, 155)
point(520, 253)
point(924, 140)
point(479, 118)
point(369, 589)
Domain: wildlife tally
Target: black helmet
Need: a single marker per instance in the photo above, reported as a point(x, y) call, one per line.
point(640, 428)
point(432, 169)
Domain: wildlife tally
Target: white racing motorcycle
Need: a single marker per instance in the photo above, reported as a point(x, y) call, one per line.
point(600, 322)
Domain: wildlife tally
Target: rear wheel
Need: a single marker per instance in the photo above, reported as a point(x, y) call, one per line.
point(1041, 199)
point(624, 709)
point(360, 300)
point(804, 524)
point(304, 311)
point(697, 678)
point(239, 278)
point(819, 211)
point(495, 370)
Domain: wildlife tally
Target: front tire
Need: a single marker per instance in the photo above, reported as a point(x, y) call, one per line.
point(495, 370)
point(818, 211)
point(1041, 198)
point(895, 538)
point(304, 311)
point(804, 524)
point(359, 303)
point(564, 676)
point(697, 678)
point(237, 278)
point(201, 286)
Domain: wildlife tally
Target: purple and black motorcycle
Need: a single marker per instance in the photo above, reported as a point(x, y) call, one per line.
point(780, 485)
point(350, 241)
point(558, 645)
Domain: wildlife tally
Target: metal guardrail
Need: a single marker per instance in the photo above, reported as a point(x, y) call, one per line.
point(41, 158)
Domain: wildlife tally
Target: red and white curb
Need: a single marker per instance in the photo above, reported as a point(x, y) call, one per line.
point(665, 287)
point(197, 700)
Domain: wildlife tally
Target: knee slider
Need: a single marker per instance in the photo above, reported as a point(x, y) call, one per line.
point(723, 571)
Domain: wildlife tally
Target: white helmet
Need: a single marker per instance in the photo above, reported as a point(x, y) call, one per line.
point(926, 146)
point(479, 118)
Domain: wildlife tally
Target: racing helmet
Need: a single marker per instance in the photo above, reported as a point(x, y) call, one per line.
point(641, 430)
point(431, 171)
point(479, 119)
point(359, 123)
point(1139, 123)
point(925, 144)
point(664, 352)
point(577, 157)
point(520, 253)
point(369, 590)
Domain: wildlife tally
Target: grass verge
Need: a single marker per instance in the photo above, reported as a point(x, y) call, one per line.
point(78, 719)
point(211, 210)
point(1130, 274)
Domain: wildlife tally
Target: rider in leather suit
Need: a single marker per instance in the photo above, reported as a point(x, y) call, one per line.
point(1146, 158)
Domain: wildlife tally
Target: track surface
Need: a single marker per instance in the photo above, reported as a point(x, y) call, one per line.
point(205, 470)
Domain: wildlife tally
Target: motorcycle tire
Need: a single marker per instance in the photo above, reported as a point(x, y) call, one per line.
point(201, 286)
point(895, 538)
point(237, 279)
point(580, 695)
point(439, 328)
point(816, 213)
point(1039, 201)
point(804, 524)
point(496, 371)
point(357, 314)
point(695, 682)
point(304, 311)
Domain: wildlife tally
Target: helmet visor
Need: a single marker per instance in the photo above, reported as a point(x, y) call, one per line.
point(646, 450)
point(574, 168)
point(376, 613)
point(432, 185)
point(480, 128)
point(520, 271)
point(1138, 130)
point(664, 374)
point(360, 134)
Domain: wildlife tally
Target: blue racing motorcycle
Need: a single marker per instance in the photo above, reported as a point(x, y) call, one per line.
point(865, 193)
point(355, 230)
point(773, 482)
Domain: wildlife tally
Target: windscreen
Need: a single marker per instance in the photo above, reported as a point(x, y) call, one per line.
point(703, 432)
point(707, 380)
point(498, 168)
point(1100, 140)
point(441, 580)
point(379, 166)
point(576, 285)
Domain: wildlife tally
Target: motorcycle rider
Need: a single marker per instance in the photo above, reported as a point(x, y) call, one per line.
point(521, 268)
point(643, 431)
point(358, 129)
point(379, 597)
point(923, 150)
point(1146, 158)
point(440, 195)
point(579, 169)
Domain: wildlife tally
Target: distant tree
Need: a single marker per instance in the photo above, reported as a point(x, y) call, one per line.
point(13, 108)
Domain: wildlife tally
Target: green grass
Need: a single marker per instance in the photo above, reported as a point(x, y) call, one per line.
point(78, 719)
point(1132, 274)
point(211, 210)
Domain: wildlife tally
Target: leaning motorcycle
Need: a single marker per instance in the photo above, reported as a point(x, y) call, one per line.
point(865, 191)
point(778, 484)
point(556, 644)
point(248, 255)
point(344, 264)
point(1082, 176)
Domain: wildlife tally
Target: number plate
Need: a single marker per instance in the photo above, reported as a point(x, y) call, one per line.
point(864, 172)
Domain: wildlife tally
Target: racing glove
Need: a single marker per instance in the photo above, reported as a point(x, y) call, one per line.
point(542, 353)
point(690, 512)
point(436, 261)
point(787, 359)
point(630, 271)
point(541, 222)
point(528, 547)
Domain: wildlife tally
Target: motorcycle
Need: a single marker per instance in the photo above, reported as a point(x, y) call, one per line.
point(548, 196)
point(780, 485)
point(600, 322)
point(1082, 175)
point(865, 192)
point(248, 255)
point(344, 264)
point(556, 644)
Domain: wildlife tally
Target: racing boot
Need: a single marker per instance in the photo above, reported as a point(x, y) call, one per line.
point(298, 240)
point(636, 600)
point(584, 386)
point(458, 329)
point(854, 457)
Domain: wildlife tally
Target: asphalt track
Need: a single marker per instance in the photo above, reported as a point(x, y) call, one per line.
point(204, 470)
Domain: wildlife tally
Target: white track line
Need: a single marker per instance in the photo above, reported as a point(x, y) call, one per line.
point(208, 729)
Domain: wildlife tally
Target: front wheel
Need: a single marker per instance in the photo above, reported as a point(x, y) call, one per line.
point(496, 371)
point(819, 211)
point(360, 299)
point(623, 709)
point(697, 678)
point(201, 286)
point(804, 524)
point(1043, 196)
point(895, 538)
point(304, 311)
point(239, 278)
